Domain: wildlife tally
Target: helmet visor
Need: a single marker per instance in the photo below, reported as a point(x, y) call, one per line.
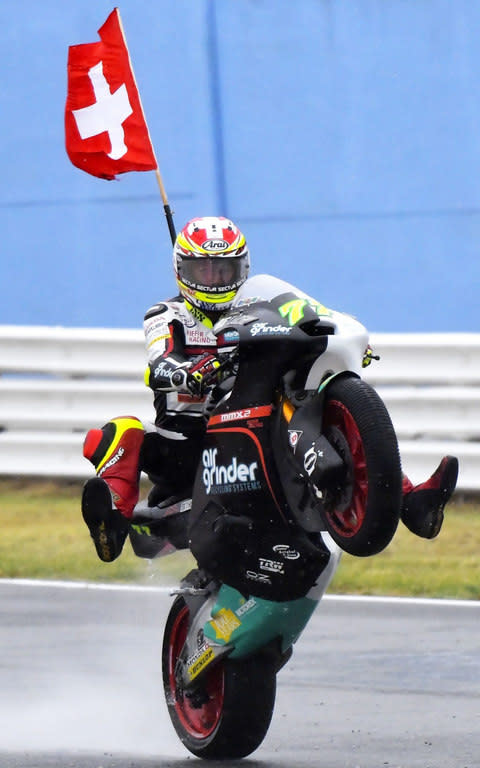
point(213, 274)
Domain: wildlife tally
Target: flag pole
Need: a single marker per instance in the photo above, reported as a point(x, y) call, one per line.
point(166, 205)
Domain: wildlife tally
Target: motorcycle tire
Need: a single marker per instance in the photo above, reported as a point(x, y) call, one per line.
point(362, 515)
point(229, 715)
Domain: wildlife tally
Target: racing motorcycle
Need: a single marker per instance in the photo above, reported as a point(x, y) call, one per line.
point(300, 462)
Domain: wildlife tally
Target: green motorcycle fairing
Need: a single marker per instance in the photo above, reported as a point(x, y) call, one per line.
point(248, 624)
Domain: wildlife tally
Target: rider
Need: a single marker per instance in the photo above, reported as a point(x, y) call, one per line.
point(211, 261)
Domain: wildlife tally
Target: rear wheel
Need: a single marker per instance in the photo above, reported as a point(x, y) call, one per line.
point(362, 514)
point(229, 714)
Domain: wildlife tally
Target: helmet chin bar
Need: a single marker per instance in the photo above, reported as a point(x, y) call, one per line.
point(212, 302)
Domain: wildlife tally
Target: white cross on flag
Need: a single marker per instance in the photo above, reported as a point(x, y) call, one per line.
point(105, 128)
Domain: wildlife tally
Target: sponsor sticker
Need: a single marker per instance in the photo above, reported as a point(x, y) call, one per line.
point(199, 660)
point(285, 551)
point(294, 436)
point(295, 310)
point(248, 300)
point(262, 578)
point(196, 336)
point(156, 323)
point(163, 369)
point(235, 415)
point(112, 461)
point(229, 337)
point(255, 413)
point(235, 477)
point(275, 566)
point(225, 623)
point(246, 607)
point(215, 245)
point(235, 317)
point(310, 460)
point(266, 329)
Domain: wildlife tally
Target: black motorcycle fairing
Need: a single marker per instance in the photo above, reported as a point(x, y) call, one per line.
point(236, 466)
point(240, 523)
point(276, 563)
point(303, 502)
point(311, 463)
point(237, 478)
point(269, 346)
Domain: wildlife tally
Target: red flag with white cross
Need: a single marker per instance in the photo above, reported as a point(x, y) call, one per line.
point(105, 129)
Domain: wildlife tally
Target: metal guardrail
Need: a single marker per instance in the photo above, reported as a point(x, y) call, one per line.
point(426, 358)
point(56, 383)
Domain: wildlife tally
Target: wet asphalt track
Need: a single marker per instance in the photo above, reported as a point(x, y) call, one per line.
point(370, 684)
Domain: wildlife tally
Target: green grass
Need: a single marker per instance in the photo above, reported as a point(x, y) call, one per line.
point(43, 536)
point(448, 566)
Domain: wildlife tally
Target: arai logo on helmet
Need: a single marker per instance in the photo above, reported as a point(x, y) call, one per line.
point(215, 245)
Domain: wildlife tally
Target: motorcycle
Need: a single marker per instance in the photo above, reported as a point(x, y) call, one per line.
point(300, 463)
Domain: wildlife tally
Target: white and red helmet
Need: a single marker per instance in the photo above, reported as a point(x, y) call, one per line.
point(211, 262)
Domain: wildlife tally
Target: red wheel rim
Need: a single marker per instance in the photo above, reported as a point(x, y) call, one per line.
point(347, 518)
point(201, 721)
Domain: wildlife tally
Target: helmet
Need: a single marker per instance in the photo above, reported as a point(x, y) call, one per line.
point(211, 262)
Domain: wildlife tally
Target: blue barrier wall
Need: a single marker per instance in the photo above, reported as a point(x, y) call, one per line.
point(342, 137)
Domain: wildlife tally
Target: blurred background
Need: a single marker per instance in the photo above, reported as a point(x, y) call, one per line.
point(342, 137)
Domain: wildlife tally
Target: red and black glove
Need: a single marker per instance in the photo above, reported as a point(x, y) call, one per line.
point(199, 376)
point(202, 374)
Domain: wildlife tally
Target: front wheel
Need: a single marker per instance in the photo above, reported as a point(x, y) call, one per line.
point(362, 515)
point(228, 716)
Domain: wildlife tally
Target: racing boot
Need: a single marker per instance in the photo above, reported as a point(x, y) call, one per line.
point(108, 499)
point(423, 505)
point(108, 527)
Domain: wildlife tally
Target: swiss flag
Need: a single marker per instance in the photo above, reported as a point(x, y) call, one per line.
point(105, 128)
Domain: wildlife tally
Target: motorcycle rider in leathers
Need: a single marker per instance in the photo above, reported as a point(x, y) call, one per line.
point(211, 261)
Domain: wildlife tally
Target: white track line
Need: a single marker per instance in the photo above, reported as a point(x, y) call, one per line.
point(116, 587)
point(92, 585)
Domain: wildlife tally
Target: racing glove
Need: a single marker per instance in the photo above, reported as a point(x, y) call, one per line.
point(202, 374)
point(199, 376)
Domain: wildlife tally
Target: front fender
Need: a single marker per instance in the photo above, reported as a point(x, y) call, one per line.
point(340, 375)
